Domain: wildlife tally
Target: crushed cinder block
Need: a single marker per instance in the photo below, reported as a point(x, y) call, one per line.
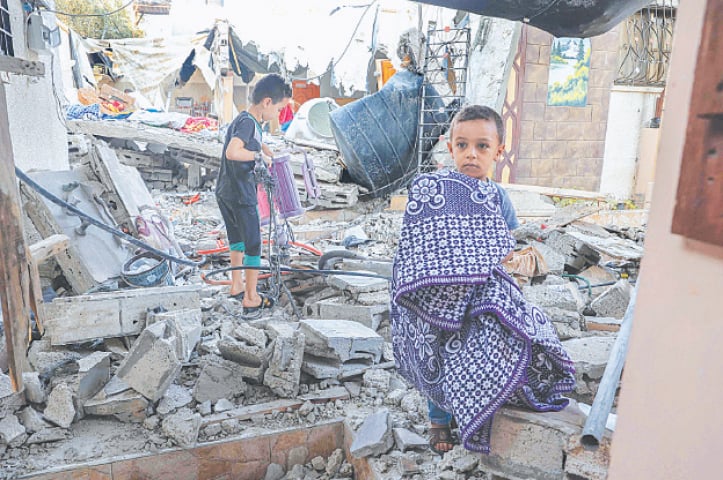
point(368, 315)
point(182, 427)
point(356, 285)
point(590, 355)
point(554, 261)
point(32, 420)
point(34, 390)
point(339, 348)
point(126, 406)
point(186, 325)
point(377, 378)
point(47, 435)
point(218, 379)
point(284, 372)
point(93, 374)
point(614, 301)
point(566, 296)
point(408, 440)
point(252, 359)
point(60, 409)
point(250, 335)
point(51, 361)
point(175, 397)
point(374, 437)
point(578, 254)
point(10, 429)
point(152, 364)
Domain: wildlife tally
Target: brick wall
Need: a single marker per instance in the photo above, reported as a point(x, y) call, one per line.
point(564, 146)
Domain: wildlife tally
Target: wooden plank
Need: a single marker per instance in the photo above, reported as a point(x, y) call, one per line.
point(21, 66)
point(17, 295)
point(49, 247)
point(116, 314)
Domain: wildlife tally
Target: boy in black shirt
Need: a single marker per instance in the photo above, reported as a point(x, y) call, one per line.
point(236, 187)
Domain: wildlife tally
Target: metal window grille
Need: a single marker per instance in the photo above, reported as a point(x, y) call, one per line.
point(647, 40)
point(6, 37)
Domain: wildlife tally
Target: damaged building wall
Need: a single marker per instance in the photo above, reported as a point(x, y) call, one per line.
point(669, 420)
point(37, 128)
point(564, 146)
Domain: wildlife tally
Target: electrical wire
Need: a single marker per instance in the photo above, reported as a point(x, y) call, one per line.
point(106, 14)
point(212, 273)
point(71, 208)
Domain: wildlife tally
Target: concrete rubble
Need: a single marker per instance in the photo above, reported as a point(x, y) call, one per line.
point(143, 370)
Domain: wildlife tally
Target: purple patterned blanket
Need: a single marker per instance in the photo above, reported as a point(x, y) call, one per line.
point(462, 332)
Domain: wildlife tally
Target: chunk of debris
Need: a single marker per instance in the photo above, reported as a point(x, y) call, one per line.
point(60, 409)
point(337, 348)
point(407, 440)
point(218, 379)
point(578, 255)
point(152, 363)
point(34, 390)
point(126, 406)
point(93, 373)
point(252, 359)
point(614, 301)
point(374, 437)
point(357, 285)
point(10, 429)
point(182, 427)
point(186, 325)
point(284, 372)
point(368, 315)
point(175, 397)
point(47, 435)
point(32, 420)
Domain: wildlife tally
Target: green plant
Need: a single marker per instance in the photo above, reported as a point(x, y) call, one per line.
point(118, 25)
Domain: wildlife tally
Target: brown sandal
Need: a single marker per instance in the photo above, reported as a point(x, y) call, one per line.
point(438, 435)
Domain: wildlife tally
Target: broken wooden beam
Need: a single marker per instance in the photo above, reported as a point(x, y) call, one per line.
point(49, 247)
point(116, 314)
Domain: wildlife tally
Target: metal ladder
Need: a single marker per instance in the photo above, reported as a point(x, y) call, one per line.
point(446, 54)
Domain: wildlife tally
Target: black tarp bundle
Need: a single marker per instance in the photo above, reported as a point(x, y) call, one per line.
point(245, 59)
point(562, 18)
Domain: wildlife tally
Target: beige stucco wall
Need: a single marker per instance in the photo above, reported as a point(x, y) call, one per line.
point(37, 131)
point(670, 420)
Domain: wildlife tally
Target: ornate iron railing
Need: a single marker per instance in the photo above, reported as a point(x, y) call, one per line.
point(647, 39)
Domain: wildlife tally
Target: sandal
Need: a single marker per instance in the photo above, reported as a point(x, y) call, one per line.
point(239, 297)
point(438, 435)
point(254, 312)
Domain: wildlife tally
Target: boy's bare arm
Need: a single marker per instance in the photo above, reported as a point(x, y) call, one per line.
point(237, 151)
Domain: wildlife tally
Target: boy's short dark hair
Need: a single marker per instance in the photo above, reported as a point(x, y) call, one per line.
point(272, 86)
point(479, 112)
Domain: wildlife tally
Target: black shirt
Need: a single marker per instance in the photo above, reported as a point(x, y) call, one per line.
point(236, 180)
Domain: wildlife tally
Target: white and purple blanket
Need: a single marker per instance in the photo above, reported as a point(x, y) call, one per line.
point(462, 332)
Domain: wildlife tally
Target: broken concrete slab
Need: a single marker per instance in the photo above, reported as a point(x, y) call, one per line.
point(565, 296)
point(554, 261)
point(531, 204)
point(284, 371)
point(374, 437)
point(613, 302)
point(368, 315)
point(10, 429)
point(613, 246)
point(252, 359)
point(250, 335)
point(93, 375)
point(51, 361)
point(60, 409)
point(578, 254)
point(408, 440)
point(175, 397)
point(218, 379)
point(126, 406)
point(10, 401)
point(356, 285)
point(152, 363)
point(32, 420)
point(47, 435)
point(187, 327)
point(117, 314)
point(341, 340)
point(182, 427)
point(34, 390)
point(590, 354)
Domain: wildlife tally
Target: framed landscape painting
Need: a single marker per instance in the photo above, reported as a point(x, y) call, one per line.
point(569, 72)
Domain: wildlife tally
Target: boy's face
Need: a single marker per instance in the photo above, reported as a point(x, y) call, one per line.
point(270, 109)
point(475, 145)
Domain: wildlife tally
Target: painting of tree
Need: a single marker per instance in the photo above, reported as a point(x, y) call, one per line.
point(569, 72)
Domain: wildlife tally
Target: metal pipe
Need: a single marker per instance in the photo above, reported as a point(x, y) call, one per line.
point(594, 427)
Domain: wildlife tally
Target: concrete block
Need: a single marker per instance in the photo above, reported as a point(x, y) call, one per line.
point(590, 355)
point(51, 361)
point(115, 386)
point(566, 296)
point(93, 375)
point(590, 464)
point(368, 315)
point(407, 440)
point(252, 360)
point(219, 379)
point(118, 314)
point(186, 325)
point(10, 429)
point(356, 285)
point(60, 409)
point(223, 405)
point(374, 437)
point(373, 298)
point(377, 378)
point(48, 435)
point(554, 260)
point(341, 340)
point(127, 406)
point(614, 301)
point(32, 420)
point(284, 371)
point(250, 335)
point(531, 204)
point(10, 402)
point(152, 364)
point(182, 427)
point(276, 328)
point(175, 397)
point(34, 389)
